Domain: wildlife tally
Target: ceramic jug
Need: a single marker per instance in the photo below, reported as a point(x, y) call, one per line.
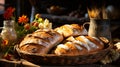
point(99, 28)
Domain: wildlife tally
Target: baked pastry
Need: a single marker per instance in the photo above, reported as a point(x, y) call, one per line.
point(79, 45)
point(71, 30)
point(117, 45)
point(41, 41)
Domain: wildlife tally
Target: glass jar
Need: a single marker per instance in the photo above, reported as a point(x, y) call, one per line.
point(8, 31)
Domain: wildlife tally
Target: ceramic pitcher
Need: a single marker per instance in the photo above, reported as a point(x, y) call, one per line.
point(99, 28)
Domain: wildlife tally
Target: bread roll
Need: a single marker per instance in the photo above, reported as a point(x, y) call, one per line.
point(71, 30)
point(79, 45)
point(41, 41)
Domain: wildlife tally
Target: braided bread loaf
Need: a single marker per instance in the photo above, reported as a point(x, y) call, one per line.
point(79, 45)
point(41, 41)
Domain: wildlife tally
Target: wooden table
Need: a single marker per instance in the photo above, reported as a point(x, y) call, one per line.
point(24, 63)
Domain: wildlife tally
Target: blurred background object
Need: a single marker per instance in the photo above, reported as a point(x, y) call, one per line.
point(2, 2)
point(74, 10)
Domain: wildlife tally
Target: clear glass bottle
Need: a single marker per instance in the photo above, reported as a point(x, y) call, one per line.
point(8, 31)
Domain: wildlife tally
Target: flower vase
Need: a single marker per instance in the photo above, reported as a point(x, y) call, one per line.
point(8, 31)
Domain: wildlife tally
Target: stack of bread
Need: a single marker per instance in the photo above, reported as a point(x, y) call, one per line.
point(66, 39)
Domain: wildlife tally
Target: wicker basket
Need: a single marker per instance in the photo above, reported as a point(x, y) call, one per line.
point(52, 59)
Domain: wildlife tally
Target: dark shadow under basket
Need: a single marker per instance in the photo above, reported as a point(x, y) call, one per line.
point(52, 59)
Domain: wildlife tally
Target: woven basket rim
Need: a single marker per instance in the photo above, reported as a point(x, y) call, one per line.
point(20, 51)
point(64, 59)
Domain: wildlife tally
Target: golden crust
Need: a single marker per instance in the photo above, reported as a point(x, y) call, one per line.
point(76, 26)
point(42, 41)
point(71, 30)
point(80, 45)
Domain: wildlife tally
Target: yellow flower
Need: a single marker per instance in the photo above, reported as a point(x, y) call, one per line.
point(23, 19)
point(37, 16)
